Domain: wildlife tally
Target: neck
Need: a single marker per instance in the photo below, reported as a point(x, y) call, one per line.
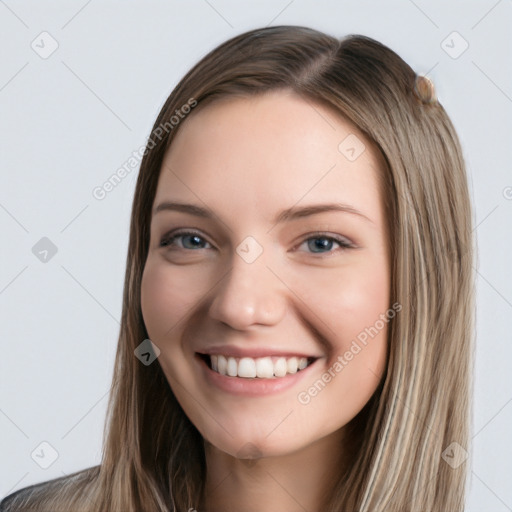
point(298, 481)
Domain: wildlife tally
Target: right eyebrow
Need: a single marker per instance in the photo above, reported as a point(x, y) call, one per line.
point(185, 208)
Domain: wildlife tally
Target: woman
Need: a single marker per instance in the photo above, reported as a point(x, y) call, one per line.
point(300, 257)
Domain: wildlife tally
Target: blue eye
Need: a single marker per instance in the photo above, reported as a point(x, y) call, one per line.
point(189, 240)
point(322, 244)
point(318, 244)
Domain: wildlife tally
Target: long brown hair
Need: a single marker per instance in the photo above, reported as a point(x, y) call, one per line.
point(417, 422)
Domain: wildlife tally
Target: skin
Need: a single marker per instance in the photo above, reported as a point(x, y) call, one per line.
point(247, 159)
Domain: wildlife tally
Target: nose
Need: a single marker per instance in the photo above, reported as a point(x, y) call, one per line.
point(249, 294)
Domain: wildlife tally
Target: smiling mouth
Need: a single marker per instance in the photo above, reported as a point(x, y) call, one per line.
point(268, 367)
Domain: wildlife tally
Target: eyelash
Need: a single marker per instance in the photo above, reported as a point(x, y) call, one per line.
point(343, 243)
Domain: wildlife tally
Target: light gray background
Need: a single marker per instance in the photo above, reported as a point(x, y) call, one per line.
point(70, 120)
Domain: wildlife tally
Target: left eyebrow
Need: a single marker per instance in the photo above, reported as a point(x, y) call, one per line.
point(305, 211)
point(289, 214)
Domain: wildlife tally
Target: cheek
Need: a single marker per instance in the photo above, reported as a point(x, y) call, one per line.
point(345, 384)
point(349, 301)
point(166, 297)
point(353, 304)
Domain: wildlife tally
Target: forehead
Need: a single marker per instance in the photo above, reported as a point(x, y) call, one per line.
point(262, 153)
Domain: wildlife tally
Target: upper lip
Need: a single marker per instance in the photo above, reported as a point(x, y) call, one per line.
point(254, 352)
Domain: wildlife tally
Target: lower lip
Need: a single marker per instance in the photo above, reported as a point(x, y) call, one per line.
point(252, 386)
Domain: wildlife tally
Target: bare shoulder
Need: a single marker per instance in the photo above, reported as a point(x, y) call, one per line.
point(41, 497)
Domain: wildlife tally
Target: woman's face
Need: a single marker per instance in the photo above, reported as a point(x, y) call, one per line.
point(257, 268)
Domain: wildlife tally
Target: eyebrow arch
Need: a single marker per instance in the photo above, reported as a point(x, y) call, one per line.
point(292, 213)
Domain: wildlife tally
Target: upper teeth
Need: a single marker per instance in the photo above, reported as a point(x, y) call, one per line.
point(262, 367)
